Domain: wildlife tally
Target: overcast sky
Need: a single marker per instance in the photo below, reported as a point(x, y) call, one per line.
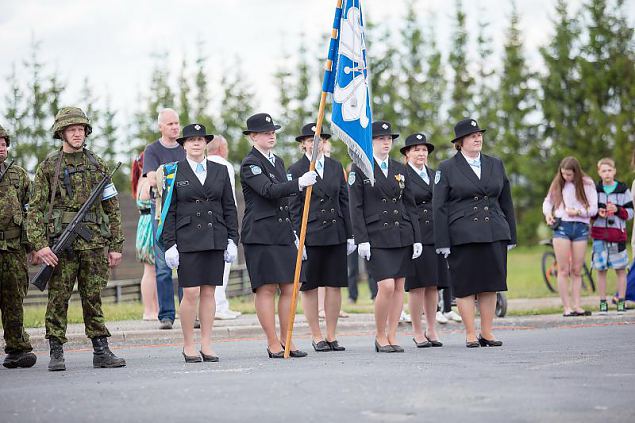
point(110, 42)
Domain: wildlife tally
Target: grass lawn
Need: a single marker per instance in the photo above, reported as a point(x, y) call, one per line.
point(524, 281)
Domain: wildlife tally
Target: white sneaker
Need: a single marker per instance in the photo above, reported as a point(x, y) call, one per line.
point(405, 317)
point(441, 318)
point(235, 313)
point(224, 315)
point(453, 315)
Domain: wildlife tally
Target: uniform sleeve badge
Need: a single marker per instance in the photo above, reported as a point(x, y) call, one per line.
point(255, 169)
point(351, 178)
point(109, 192)
point(437, 177)
point(289, 177)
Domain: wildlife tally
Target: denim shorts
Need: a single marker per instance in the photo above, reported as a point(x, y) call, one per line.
point(573, 231)
point(609, 255)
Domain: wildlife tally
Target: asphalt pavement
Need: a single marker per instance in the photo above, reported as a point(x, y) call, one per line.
point(550, 369)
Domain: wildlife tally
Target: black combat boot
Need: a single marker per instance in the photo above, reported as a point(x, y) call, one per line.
point(57, 356)
point(103, 357)
point(19, 359)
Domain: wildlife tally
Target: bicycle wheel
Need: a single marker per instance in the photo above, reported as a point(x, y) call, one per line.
point(550, 271)
point(586, 273)
point(501, 304)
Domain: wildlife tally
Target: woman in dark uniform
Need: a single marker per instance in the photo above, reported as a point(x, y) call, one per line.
point(267, 231)
point(328, 238)
point(382, 217)
point(430, 269)
point(200, 234)
point(474, 226)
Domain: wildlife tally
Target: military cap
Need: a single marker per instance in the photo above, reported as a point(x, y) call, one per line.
point(260, 122)
point(4, 134)
point(194, 130)
point(68, 116)
point(381, 128)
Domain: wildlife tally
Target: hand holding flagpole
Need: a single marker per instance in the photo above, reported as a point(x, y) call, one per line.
point(346, 77)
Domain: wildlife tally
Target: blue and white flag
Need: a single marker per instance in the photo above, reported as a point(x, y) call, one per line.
point(346, 78)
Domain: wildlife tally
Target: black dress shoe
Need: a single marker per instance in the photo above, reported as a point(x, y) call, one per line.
point(209, 358)
point(472, 344)
point(383, 348)
point(295, 353)
point(424, 344)
point(335, 346)
point(191, 358)
point(489, 343)
point(434, 343)
point(321, 346)
point(397, 348)
point(279, 354)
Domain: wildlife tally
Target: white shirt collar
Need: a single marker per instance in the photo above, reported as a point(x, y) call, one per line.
point(194, 164)
point(418, 170)
point(469, 160)
point(319, 159)
point(379, 161)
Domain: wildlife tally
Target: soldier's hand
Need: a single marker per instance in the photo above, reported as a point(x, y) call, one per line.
point(47, 256)
point(114, 259)
point(34, 259)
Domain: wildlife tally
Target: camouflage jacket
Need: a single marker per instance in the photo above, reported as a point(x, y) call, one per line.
point(78, 176)
point(14, 200)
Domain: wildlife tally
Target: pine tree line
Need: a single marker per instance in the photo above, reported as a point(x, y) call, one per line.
point(580, 101)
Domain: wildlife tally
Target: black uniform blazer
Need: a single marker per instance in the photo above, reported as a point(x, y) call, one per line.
point(471, 210)
point(329, 218)
point(383, 214)
point(201, 217)
point(422, 194)
point(266, 191)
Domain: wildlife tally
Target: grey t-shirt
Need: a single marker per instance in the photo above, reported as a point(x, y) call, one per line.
point(157, 154)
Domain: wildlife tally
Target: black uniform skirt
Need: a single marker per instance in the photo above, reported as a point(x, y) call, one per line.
point(478, 267)
point(270, 264)
point(430, 269)
point(387, 263)
point(201, 268)
point(325, 266)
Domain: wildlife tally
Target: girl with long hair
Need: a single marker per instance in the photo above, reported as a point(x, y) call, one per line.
point(568, 208)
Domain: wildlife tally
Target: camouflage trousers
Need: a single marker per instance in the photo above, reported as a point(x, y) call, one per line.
point(14, 283)
point(90, 269)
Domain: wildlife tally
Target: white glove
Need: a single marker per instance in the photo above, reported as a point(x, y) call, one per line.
point(231, 253)
point(307, 179)
point(444, 251)
point(363, 250)
point(172, 257)
point(417, 249)
point(297, 244)
point(350, 246)
point(511, 246)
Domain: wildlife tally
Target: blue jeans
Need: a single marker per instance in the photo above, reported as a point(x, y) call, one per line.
point(165, 287)
point(573, 231)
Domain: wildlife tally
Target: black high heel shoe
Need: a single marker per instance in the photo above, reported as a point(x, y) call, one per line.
point(279, 354)
point(434, 343)
point(489, 343)
point(383, 348)
point(472, 344)
point(191, 358)
point(424, 344)
point(209, 358)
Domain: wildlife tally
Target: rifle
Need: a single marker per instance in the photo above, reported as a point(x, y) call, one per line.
point(72, 231)
point(5, 170)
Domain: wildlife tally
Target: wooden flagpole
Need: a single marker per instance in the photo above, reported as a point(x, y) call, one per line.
point(307, 203)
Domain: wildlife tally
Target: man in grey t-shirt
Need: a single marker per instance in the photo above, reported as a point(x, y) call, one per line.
point(164, 150)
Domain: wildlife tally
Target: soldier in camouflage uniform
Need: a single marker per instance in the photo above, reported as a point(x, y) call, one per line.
point(63, 182)
point(14, 279)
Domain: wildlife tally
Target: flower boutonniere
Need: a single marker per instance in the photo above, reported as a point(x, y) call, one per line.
point(401, 179)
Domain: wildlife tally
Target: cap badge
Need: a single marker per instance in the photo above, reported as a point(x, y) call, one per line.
point(385, 126)
point(268, 119)
point(197, 127)
point(419, 137)
point(473, 123)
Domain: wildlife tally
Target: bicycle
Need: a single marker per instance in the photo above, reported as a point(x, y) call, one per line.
point(550, 270)
point(501, 303)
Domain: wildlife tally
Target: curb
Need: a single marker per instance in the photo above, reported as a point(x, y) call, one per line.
point(357, 324)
